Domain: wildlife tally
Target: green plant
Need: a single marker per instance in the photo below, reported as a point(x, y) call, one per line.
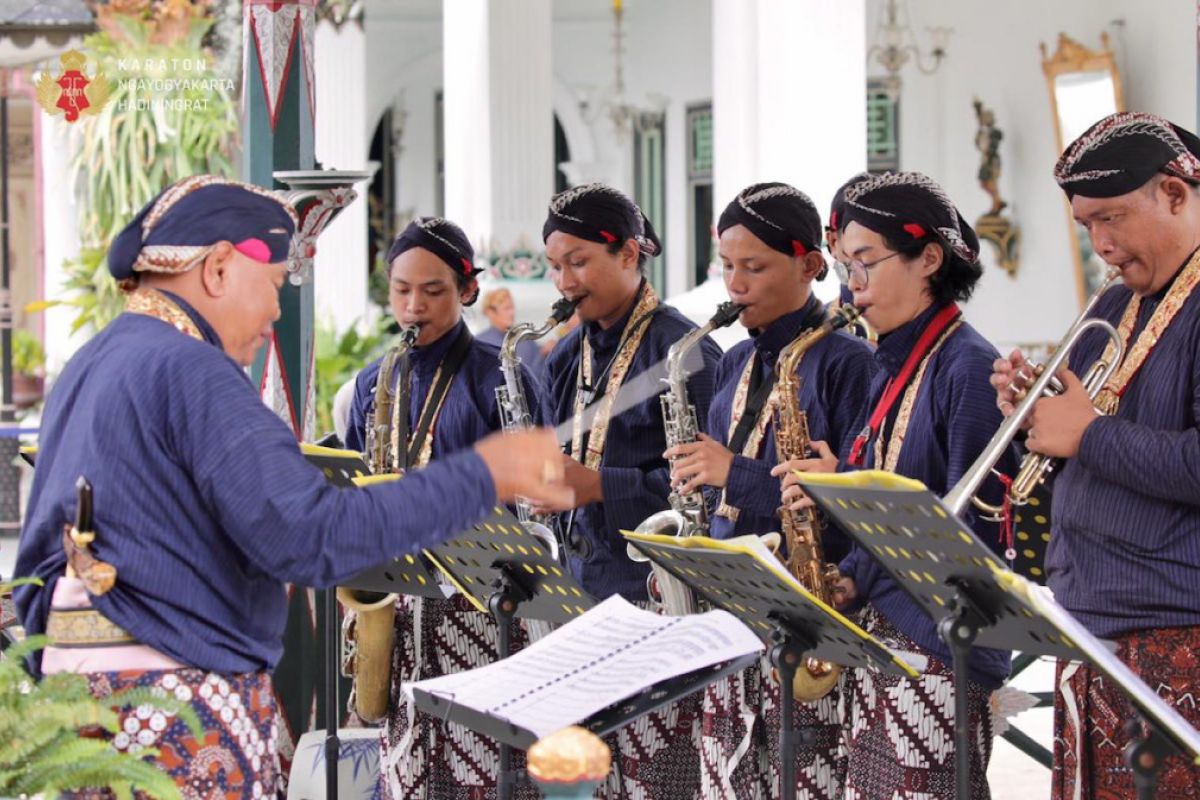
point(28, 357)
point(164, 120)
point(42, 749)
point(339, 358)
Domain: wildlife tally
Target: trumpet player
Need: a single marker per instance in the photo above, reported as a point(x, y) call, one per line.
point(598, 243)
point(1124, 552)
point(929, 413)
point(444, 400)
point(770, 249)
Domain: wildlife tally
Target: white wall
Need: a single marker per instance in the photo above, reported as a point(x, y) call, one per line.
point(993, 54)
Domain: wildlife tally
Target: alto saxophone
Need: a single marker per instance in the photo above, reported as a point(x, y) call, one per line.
point(687, 515)
point(802, 529)
point(515, 416)
point(369, 634)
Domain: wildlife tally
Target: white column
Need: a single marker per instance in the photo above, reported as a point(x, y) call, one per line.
point(498, 119)
point(341, 142)
point(60, 238)
point(789, 86)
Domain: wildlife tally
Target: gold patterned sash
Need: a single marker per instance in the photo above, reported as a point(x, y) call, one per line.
point(630, 341)
point(890, 455)
point(1109, 398)
point(765, 415)
point(426, 453)
point(153, 303)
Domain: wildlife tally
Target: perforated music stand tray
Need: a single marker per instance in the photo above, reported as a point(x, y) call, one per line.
point(754, 586)
point(406, 574)
point(960, 583)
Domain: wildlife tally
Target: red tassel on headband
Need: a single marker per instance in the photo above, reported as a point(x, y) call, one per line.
point(798, 248)
point(915, 230)
point(608, 237)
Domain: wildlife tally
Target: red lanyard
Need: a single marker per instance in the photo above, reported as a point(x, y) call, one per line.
point(896, 385)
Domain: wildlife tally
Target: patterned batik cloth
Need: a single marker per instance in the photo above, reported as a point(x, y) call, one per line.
point(901, 730)
point(657, 756)
point(423, 758)
point(1093, 767)
point(235, 756)
point(739, 755)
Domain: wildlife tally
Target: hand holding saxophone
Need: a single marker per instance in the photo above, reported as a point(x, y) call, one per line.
point(824, 460)
point(704, 462)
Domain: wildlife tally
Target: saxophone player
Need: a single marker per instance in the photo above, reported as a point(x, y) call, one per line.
point(770, 239)
point(598, 243)
point(444, 392)
point(930, 411)
point(1123, 553)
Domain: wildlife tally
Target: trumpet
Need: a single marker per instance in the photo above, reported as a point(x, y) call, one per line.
point(1043, 382)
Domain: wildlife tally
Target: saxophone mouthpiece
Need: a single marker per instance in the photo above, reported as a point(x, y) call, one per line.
point(563, 309)
point(727, 314)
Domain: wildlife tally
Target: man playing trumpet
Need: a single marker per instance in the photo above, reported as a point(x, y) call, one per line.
point(1124, 553)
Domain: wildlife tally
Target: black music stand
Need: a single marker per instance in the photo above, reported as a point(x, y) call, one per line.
point(793, 622)
point(341, 468)
point(948, 571)
point(506, 571)
point(1166, 732)
point(1031, 535)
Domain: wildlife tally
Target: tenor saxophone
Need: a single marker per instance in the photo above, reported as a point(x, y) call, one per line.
point(687, 515)
point(802, 529)
point(515, 416)
point(368, 634)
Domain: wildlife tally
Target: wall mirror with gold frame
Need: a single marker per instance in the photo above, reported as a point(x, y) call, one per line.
point(1084, 87)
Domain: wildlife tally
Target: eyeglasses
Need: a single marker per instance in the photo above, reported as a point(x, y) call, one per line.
point(858, 270)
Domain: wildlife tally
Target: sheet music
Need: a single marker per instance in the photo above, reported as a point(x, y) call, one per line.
point(607, 655)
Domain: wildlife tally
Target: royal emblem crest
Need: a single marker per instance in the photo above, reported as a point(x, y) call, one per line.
point(72, 92)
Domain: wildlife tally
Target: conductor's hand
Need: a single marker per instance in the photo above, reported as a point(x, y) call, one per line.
point(1009, 377)
point(526, 464)
point(823, 460)
point(705, 462)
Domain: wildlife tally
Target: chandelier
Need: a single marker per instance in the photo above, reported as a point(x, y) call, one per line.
point(895, 45)
point(611, 101)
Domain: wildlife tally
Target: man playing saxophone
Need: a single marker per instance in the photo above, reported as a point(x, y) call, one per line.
point(443, 399)
point(1124, 552)
point(598, 242)
point(770, 238)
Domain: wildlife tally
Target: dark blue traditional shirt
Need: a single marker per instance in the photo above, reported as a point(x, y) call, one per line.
point(635, 476)
point(954, 416)
point(1124, 550)
point(835, 375)
point(529, 351)
point(469, 412)
point(203, 501)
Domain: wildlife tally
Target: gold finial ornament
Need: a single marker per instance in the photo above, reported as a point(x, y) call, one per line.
point(569, 763)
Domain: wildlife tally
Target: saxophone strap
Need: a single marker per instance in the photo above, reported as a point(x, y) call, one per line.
point(748, 416)
point(589, 449)
point(926, 345)
point(416, 453)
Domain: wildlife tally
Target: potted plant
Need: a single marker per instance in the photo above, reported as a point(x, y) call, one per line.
point(28, 363)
